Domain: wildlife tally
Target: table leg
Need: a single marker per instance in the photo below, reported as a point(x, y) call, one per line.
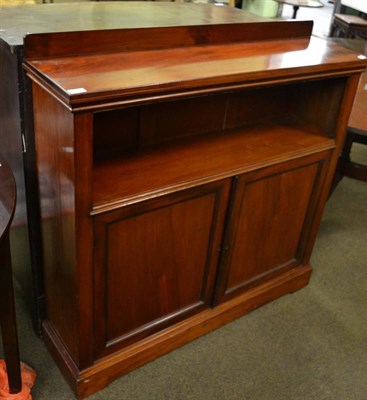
point(295, 10)
point(352, 169)
point(7, 318)
point(280, 10)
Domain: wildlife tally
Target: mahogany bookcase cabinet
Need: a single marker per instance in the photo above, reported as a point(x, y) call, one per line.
point(182, 174)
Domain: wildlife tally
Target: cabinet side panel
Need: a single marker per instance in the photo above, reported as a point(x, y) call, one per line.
point(55, 164)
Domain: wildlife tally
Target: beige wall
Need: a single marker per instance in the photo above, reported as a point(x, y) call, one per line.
point(265, 8)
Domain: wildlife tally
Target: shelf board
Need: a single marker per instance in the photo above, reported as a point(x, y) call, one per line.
point(165, 169)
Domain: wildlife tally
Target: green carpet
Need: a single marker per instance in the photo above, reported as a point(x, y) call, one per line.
point(311, 345)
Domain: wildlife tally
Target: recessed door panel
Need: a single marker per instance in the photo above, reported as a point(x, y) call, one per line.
point(156, 262)
point(269, 221)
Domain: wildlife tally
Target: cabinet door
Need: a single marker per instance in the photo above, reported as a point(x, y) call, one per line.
point(272, 214)
point(155, 263)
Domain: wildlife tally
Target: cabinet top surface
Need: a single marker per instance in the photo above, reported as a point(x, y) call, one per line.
point(89, 69)
point(16, 22)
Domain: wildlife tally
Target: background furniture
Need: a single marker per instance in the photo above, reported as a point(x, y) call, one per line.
point(265, 8)
point(170, 203)
point(350, 7)
point(357, 131)
point(358, 5)
point(8, 321)
point(357, 124)
point(297, 4)
point(17, 142)
point(350, 26)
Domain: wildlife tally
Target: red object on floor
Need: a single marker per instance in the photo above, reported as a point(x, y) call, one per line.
point(28, 378)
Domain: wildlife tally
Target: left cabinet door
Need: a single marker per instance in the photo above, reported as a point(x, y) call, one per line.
point(156, 263)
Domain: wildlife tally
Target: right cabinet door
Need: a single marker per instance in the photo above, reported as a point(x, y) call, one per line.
point(270, 219)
